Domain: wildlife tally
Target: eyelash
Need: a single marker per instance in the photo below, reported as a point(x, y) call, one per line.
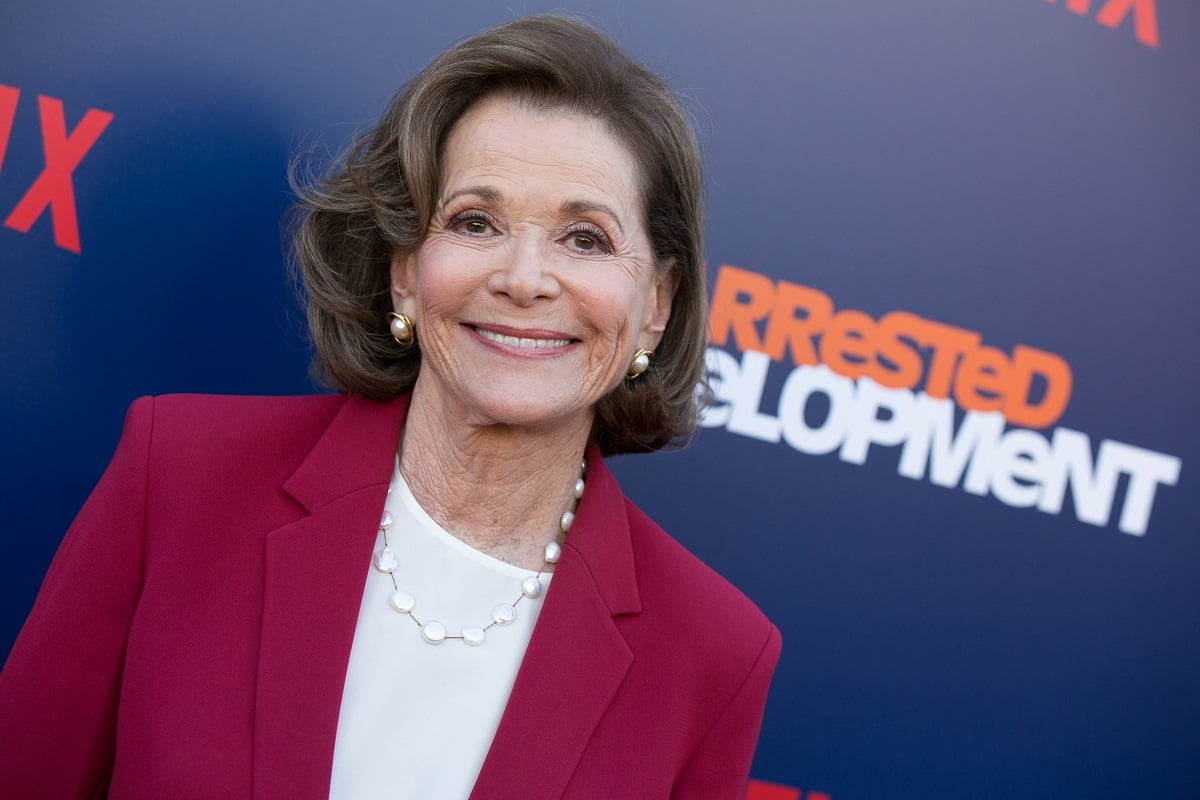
point(462, 219)
point(597, 235)
point(577, 229)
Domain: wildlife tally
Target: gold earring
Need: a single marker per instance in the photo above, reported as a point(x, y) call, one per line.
point(639, 363)
point(402, 328)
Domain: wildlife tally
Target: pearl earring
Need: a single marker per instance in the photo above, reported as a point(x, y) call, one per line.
point(402, 328)
point(639, 363)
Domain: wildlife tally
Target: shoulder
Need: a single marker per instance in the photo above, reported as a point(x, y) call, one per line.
point(667, 569)
point(696, 611)
point(238, 410)
point(181, 418)
point(216, 433)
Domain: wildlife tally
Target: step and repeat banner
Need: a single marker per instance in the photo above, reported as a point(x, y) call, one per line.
point(954, 261)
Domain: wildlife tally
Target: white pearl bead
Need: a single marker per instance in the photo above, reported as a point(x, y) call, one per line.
point(640, 364)
point(399, 329)
point(433, 632)
point(403, 602)
point(504, 614)
point(385, 560)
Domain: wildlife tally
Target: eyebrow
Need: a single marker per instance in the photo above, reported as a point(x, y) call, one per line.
point(487, 194)
point(582, 206)
point(490, 194)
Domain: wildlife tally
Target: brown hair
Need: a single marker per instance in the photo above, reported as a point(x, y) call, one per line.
point(380, 197)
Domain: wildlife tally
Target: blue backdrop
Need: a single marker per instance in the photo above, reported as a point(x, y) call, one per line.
point(1012, 614)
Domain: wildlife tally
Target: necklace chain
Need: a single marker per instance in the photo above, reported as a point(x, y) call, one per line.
point(435, 632)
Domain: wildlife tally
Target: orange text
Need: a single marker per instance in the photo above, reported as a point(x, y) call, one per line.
point(900, 350)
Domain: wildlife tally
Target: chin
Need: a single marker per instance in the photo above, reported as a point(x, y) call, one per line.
point(542, 411)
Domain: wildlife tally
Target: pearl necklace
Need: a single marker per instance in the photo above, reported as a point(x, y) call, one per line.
point(435, 632)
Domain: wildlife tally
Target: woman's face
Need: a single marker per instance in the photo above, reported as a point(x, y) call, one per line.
point(536, 282)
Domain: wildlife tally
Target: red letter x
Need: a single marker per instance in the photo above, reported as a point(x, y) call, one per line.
point(761, 790)
point(8, 110)
point(1145, 21)
point(53, 187)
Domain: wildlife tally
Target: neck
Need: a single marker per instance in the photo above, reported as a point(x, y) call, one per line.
point(500, 489)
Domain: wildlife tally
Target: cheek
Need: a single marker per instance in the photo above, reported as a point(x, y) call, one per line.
point(613, 316)
point(438, 292)
point(445, 276)
point(608, 317)
point(622, 310)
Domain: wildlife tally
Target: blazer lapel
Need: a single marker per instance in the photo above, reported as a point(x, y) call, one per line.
point(577, 657)
point(315, 569)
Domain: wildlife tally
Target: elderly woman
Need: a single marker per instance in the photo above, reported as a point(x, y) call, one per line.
point(428, 585)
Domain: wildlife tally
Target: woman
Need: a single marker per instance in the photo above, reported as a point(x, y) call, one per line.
point(336, 596)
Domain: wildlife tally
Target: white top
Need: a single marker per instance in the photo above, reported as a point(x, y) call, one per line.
point(417, 719)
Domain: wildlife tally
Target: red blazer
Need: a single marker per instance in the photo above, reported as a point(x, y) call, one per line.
point(192, 635)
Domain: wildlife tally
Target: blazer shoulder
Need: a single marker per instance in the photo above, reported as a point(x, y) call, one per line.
point(214, 418)
point(235, 408)
point(201, 437)
point(675, 583)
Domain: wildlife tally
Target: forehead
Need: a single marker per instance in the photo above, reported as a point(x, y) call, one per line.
point(506, 144)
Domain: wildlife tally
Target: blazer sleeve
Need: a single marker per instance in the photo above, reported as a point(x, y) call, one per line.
point(720, 767)
point(60, 685)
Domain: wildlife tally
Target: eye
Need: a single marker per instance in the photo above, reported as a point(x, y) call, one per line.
point(586, 238)
point(472, 223)
point(583, 241)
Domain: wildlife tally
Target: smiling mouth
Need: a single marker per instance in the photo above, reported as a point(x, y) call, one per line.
point(521, 341)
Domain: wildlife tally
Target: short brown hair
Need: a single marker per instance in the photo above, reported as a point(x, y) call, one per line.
point(379, 199)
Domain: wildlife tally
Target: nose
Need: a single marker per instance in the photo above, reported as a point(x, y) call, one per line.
point(523, 272)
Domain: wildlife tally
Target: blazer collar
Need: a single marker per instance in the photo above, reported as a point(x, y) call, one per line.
point(600, 537)
point(355, 451)
point(577, 658)
point(315, 567)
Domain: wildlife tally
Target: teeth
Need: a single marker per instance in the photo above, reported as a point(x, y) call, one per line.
point(515, 341)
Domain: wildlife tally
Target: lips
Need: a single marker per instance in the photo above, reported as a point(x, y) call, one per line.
point(522, 341)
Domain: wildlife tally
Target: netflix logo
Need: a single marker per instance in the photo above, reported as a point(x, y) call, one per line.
point(63, 151)
point(762, 790)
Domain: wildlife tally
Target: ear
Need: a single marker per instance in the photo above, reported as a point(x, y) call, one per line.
point(404, 282)
point(658, 311)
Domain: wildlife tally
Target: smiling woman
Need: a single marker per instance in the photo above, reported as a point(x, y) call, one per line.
point(429, 585)
point(536, 282)
point(383, 198)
